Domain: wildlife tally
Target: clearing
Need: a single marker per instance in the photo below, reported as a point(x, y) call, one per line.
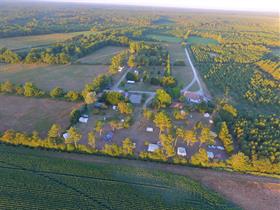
point(101, 56)
point(29, 114)
point(46, 77)
point(71, 184)
point(21, 42)
point(164, 38)
point(202, 41)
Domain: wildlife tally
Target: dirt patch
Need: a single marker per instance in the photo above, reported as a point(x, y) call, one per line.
point(29, 114)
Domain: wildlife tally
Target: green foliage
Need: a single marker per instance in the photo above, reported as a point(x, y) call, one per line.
point(163, 98)
point(200, 158)
point(57, 92)
point(226, 138)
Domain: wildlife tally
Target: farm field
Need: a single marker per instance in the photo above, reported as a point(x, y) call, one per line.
point(163, 38)
point(196, 40)
point(73, 184)
point(36, 40)
point(30, 114)
point(46, 77)
point(102, 56)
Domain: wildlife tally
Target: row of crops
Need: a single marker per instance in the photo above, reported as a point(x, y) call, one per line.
point(34, 179)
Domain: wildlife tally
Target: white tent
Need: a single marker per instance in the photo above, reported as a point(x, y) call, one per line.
point(149, 129)
point(181, 151)
point(210, 154)
point(152, 147)
point(65, 136)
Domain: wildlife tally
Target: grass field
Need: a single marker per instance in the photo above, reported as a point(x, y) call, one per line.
point(200, 40)
point(163, 38)
point(102, 56)
point(46, 77)
point(36, 40)
point(276, 51)
point(57, 183)
point(183, 74)
point(29, 114)
point(176, 51)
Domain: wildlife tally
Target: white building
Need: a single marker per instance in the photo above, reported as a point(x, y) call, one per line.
point(130, 82)
point(149, 129)
point(152, 147)
point(83, 119)
point(181, 151)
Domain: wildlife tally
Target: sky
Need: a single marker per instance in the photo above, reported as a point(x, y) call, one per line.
point(245, 5)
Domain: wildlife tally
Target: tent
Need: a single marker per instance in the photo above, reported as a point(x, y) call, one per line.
point(152, 147)
point(181, 151)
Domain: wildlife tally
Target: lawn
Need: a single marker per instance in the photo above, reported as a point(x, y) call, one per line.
point(58, 183)
point(163, 38)
point(36, 40)
point(46, 77)
point(176, 51)
point(276, 51)
point(202, 41)
point(102, 56)
point(29, 114)
point(183, 74)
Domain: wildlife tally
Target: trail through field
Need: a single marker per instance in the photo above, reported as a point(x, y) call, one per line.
point(195, 76)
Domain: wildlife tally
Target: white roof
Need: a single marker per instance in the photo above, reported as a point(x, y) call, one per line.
point(210, 154)
point(220, 148)
point(130, 81)
point(211, 121)
point(206, 115)
point(181, 151)
point(83, 120)
point(65, 135)
point(213, 134)
point(152, 147)
point(149, 129)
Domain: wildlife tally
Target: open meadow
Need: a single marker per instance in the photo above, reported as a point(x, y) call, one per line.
point(163, 38)
point(31, 114)
point(22, 42)
point(101, 56)
point(73, 184)
point(46, 77)
point(196, 40)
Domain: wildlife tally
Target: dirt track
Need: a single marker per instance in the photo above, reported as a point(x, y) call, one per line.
point(247, 191)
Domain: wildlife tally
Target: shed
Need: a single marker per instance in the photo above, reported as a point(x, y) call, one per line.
point(181, 151)
point(149, 129)
point(65, 136)
point(152, 147)
point(210, 154)
point(83, 120)
point(193, 97)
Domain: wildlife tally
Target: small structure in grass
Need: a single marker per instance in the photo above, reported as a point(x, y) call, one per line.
point(149, 129)
point(181, 151)
point(210, 155)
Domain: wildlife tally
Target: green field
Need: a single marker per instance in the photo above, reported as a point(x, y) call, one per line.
point(36, 40)
point(202, 41)
point(276, 51)
point(34, 179)
point(46, 77)
point(183, 74)
point(163, 38)
point(102, 56)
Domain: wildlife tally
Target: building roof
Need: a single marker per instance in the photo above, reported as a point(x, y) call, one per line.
point(210, 154)
point(177, 105)
point(192, 95)
point(152, 147)
point(135, 98)
point(181, 151)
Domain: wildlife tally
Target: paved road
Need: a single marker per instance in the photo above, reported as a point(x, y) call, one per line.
point(195, 78)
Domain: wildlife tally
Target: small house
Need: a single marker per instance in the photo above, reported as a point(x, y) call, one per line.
point(177, 105)
point(181, 151)
point(220, 148)
point(152, 147)
point(193, 97)
point(149, 129)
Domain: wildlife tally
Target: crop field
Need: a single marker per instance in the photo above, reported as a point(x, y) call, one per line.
point(163, 38)
point(46, 77)
point(29, 114)
point(102, 56)
point(200, 40)
point(57, 183)
point(36, 40)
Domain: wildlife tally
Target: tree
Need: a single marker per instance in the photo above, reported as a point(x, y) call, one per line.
point(127, 147)
point(7, 87)
point(239, 162)
point(147, 114)
point(74, 136)
point(163, 98)
point(90, 98)
point(190, 137)
point(31, 90)
point(162, 121)
point(131, 61)
point(226, 138)
point(74, 116)
point(167, 142)
point(113, 98)
point(205, 136)
point(125, 108)
point(179, 134)
point(54, 133)
point(92, 139)
point(168, 66)
point(73, 95)
point(200, 158)
point(99, 127)
point(56, 92)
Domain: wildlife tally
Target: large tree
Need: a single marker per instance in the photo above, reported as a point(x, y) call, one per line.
point(74, 136)
point(162, 121)
point(163, 98)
